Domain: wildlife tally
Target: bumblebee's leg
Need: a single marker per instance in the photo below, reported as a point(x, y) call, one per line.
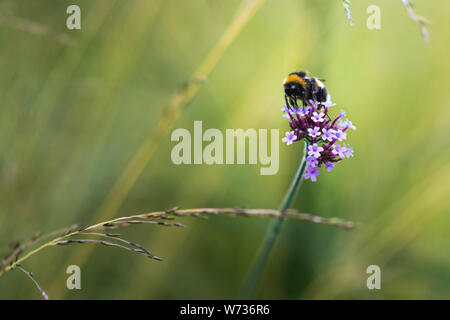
point(302, 99)
point(320, 106)
point(290, 102)
point(294, 102)
point(287, 102)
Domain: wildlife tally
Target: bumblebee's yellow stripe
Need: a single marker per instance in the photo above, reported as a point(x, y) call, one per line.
point(294, 78)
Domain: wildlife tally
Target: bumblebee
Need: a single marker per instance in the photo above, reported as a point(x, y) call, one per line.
point(298, 86)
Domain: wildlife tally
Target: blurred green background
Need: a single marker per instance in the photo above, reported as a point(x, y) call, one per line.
point(77, 106)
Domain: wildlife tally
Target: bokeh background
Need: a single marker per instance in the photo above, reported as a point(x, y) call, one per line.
point(77, 107)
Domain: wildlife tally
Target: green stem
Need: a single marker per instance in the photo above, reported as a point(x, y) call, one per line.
point(273, 232)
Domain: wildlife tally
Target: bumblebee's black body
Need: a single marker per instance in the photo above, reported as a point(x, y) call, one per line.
point(297, 86)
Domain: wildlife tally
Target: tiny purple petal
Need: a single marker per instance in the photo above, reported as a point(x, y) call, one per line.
point(312, 161)
point(329, 166)
point(328, 134)
point(340, 135)
point(339, 151)
point(328, 104)
point(290, 137)
point(318, 117)
point(311, 173)
point(303, 111)
point(348, 152)
point(314, 150)
point(314, 132)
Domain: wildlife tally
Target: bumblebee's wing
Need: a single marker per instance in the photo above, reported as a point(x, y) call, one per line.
point(326, 95)
point(319, 83)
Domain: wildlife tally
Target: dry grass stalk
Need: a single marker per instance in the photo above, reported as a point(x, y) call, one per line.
point(71, 235)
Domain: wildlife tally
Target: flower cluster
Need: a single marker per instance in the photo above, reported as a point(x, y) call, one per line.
point(324, 136)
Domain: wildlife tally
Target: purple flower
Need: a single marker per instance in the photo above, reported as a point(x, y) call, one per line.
point(323, 133)
point(348, 151)
point(328, 104)
point(295, 109)
point(328, 134)
point(346, 124)
point(340, 135)
point(318, 117)
point(313, 104)
point(311, 173)
point(339, 151)
point(329, 166)
point(314, 150)
point(350, 125)
point(285, 109)
point(303, 111)
point(314, 132)
point(313, 162)
point(290, 137)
